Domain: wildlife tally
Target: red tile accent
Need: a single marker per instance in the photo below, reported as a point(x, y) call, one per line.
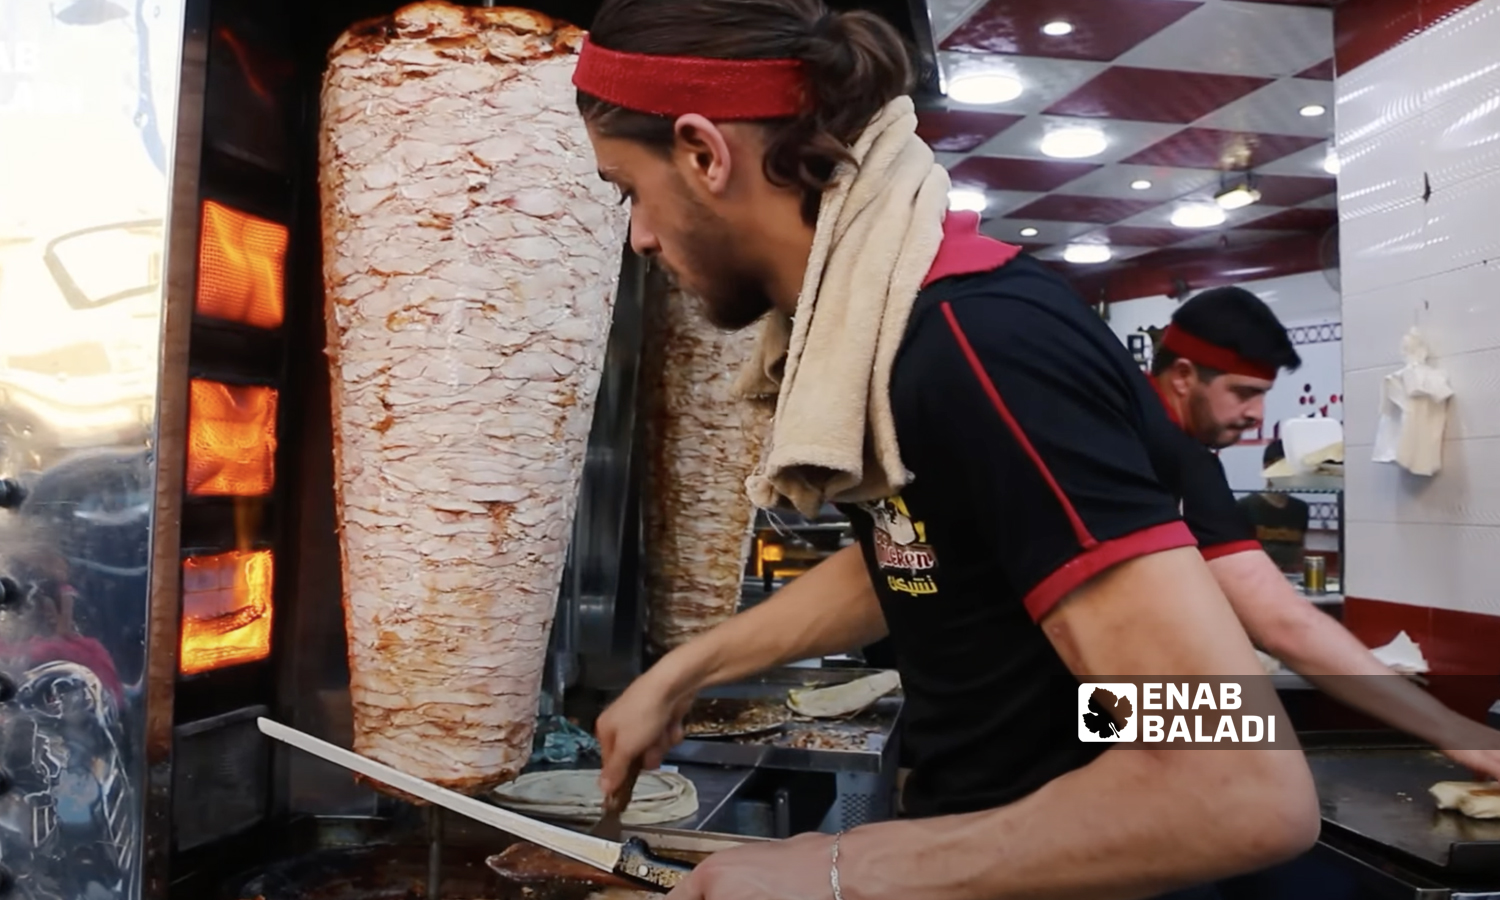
point(1137, 236)
point(1455, 643)
point(1103, 29)
point(1459, 648)
point(1209, 148)
point(1376, 622)
point(999, 173)
point(1292, 190)
point(1066, 208)
point(1155, 95)
point(1323, 71)
point(1296, 220)
point(1364, 29)
point(959, 131)
point(1155, 274)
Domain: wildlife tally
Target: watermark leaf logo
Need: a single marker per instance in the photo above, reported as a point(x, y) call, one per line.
point(1107, 712)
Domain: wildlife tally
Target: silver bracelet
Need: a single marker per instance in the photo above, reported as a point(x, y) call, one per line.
point(833, 873)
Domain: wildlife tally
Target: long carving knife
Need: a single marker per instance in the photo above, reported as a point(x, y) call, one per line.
point(631, 859)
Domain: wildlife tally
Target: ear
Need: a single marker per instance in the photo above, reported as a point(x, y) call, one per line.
point(1183, 375)
point(702, 152)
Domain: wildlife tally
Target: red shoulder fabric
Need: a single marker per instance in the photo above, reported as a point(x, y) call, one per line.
point(965, 251)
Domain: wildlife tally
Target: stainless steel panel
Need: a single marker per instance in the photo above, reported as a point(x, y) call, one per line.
point(88, 113)
point(221, 776)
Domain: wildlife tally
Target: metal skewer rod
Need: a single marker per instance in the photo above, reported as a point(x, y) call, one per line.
point(434, 852)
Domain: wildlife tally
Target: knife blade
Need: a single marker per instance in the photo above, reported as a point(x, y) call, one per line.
point(609, 826)
point(631, 859)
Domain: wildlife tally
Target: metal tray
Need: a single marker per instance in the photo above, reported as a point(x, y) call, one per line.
point(1375, 790)
point(868, 736)
point(366, 859)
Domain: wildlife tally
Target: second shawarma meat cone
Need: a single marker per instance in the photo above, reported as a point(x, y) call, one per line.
point(703, 441)
point(470, 259)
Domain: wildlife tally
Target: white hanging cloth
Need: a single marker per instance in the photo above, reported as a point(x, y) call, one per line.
point(1413, 411)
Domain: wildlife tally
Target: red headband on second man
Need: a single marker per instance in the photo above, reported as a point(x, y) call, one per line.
point(1195, 349)
point(720, 89)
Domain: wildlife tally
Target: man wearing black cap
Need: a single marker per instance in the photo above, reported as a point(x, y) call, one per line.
point(1216, 363)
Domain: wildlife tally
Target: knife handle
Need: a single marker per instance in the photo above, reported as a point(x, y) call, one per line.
point(639, 863)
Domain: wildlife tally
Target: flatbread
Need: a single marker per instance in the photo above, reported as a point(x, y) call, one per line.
point(1475, 799)
point(574, 795)
point(845, 699)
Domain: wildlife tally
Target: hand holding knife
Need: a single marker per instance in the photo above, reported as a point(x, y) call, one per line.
point(631, 859)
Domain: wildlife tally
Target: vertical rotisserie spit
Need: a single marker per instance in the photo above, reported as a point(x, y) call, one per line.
point(470, 258)
point(703, 441)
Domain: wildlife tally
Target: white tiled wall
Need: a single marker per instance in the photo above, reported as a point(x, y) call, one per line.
point(1425, 115)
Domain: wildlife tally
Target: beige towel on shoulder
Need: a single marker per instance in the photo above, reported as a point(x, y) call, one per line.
point(829, 366)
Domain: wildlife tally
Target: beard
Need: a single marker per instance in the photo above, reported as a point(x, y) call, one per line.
point(1212, 434)
point(733, 296)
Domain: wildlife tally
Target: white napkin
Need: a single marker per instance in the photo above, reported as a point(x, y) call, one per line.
point(1402, 654)
point(1413, 412)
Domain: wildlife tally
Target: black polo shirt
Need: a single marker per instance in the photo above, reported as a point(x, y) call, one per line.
point(1041, 456)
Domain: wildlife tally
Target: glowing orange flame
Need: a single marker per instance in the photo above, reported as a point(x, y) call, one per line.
point(231, 440)
point(226, 610)
point(241, 267)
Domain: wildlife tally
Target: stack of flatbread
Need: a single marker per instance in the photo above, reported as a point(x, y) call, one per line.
point(573, 795)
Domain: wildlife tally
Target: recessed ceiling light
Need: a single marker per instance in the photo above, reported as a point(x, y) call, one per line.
point(1029, 232)
point(1237, 197)
point(1140, 184)
point(1313, 110)
point(966, 200)
point(985, 89)
point(1074, 143)
point(1198, 215)
point(1057, 29)
point(1087, 254)
point(1331, 163)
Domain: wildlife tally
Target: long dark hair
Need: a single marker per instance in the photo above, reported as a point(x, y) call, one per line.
point(856, 63)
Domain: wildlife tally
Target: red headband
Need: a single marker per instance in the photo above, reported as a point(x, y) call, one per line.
point(720, 89)
point(1195, 349)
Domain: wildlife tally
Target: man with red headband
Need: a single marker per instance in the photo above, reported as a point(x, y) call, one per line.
point(1217, 360)
point(1011, 478)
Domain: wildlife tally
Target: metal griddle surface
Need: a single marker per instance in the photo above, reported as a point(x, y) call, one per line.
point(1379, 794)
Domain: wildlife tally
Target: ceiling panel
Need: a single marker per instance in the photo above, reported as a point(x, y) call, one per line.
point(1103, 29)
point(1290, 190)
point(1210, 148)
point(1070, 208)
point(1011, 174)
point(1024, 139)
point(1043, 81)
point(1187, 94)
point(1305, 219)
point(959, 131)
point(1156, 95)
point(1235, 38)
point(1277, 109)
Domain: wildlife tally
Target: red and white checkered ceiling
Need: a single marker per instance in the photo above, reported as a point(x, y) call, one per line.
point(1190, 95)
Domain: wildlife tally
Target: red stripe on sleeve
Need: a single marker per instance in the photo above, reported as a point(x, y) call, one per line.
point(1080, 530)
point(1219, 551)
point(1086, 565)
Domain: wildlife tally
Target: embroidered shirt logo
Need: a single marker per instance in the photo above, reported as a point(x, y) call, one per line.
point(900, 544)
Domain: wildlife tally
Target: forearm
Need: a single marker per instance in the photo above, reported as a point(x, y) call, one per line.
point(1320, 649)
point(1135, 823)
point(830, 609)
